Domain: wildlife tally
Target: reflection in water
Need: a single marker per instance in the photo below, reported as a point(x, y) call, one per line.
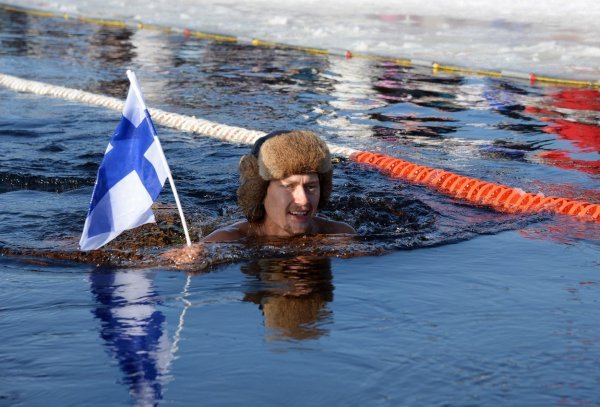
point(133, 330)
point(16, 27)
point(280, 88)
point(572, 116)
point(400, 85)
point(111, 46)
point(348, 98)
point(292, 295)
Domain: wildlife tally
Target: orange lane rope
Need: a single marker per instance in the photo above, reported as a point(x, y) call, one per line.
point(499, 197)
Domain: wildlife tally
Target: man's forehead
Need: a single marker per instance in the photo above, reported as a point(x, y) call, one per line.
point(305, 178)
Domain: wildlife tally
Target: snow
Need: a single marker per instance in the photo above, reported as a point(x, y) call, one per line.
point(546, 37)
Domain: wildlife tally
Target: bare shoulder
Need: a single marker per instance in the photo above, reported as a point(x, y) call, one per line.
point(229, 233)
point(331, 227)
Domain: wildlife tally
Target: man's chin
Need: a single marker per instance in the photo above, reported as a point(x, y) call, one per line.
point(299, 230)
point(299, 225)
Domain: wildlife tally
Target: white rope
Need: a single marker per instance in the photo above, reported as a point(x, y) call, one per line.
point(172, 120)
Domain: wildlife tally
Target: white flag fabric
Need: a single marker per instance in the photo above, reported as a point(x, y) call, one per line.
point(130, 177)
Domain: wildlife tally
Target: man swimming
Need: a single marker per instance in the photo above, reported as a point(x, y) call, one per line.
point(285, 179)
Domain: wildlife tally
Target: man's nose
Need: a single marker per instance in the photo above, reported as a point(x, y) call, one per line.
point(300, 196)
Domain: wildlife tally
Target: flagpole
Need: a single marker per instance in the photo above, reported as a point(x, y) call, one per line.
point(136, 89)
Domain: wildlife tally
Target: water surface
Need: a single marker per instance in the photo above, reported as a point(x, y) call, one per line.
point(435, 302)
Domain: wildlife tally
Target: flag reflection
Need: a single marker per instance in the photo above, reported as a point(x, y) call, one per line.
point(133, 330)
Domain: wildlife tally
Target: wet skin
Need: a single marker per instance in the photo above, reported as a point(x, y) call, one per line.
point(290, 210)
point(290, 206)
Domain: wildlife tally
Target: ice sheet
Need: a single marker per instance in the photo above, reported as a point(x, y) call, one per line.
point(548, 37)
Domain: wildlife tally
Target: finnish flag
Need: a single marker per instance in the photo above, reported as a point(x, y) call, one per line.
point(130, 177)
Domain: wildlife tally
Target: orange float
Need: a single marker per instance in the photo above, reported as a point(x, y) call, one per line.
point(499, 197)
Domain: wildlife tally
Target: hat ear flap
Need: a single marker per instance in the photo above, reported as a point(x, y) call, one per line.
point(252, 190)
point(248, 166)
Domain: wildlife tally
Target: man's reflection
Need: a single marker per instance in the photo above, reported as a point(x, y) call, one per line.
point(133, 330)
point(292, 295)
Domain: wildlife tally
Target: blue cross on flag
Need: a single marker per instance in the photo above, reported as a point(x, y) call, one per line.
point(131, 176)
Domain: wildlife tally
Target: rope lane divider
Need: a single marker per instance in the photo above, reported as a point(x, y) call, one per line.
point(434, 66)
point(478, 192)
point(499, 197)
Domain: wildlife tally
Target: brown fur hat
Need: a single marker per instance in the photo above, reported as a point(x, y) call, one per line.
point(276, 156)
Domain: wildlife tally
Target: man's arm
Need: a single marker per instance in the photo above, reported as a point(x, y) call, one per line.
point(190, 254)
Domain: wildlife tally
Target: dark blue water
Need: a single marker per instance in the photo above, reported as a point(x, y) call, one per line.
point(436, 302)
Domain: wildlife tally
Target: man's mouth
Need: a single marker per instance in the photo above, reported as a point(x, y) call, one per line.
point(300, 215)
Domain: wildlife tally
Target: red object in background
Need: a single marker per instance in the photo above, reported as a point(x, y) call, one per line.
point(583, 136)
point(561, 159)
point(578, 99)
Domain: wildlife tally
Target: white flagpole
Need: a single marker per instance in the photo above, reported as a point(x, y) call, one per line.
point(136, 89)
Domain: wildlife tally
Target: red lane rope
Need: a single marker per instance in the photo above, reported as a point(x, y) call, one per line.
point(499, 197)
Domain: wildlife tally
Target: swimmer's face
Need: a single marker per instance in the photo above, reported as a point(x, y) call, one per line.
point(291, 204)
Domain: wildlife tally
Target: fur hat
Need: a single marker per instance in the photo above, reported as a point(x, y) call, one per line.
point(278, 155)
